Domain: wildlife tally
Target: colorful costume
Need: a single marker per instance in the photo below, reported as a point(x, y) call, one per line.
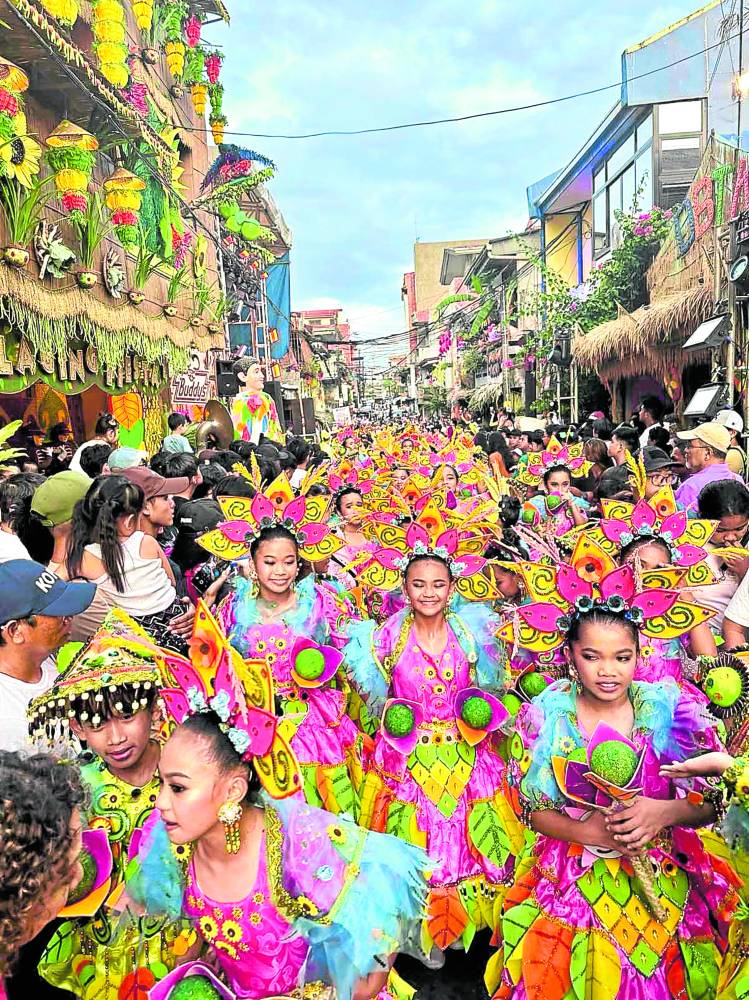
point(254, 414)
point(577, 919)
point(327, 743)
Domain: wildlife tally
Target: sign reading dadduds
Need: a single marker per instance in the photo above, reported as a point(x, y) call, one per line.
point(191, 390)
point(75, 369)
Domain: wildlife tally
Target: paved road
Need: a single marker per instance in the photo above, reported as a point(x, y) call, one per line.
point(461, 978)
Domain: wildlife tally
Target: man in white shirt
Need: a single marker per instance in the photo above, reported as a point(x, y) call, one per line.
point(106, 431)
point(36, 610)
point(651, 414)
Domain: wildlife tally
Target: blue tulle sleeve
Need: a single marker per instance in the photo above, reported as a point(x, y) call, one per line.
point(546, 728)
point(357, 898)
point(476, 632)
point(364, 665)
point(153, 879)
point(681, 724)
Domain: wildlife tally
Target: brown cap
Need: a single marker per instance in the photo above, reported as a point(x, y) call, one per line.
point(713, 434)
point(154, 485)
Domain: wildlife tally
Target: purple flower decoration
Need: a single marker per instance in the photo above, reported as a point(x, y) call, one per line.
point(96, 859)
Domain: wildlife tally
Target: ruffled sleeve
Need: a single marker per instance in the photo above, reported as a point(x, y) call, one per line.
point(476, 632)
point(681, 725)
point(546, 727)
point(356, 898)
point(364, 664)
point(154, 884)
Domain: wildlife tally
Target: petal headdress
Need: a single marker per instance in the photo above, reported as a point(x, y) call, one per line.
point(345, 476)
point(240, 692)
point(304, 517)
point(592, 582)
point(428, 535)
point(557, 454)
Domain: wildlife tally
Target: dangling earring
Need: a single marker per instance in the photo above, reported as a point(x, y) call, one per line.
point(230, 814)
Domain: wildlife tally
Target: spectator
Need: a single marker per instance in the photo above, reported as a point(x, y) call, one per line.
point(243, 448)
point(596, 452)
point(95, 460)
point(602, 428)
point(184, 467)
point(36, 609)
point(736, 459)
point(210, 473)
point(233, 485)
point(158, 462)
point(106, 431)
point(650, 415)
point(624, 440)
point(660, 438)
point(175, 442)
point(659, 470)
point(533, 441)
point(157, 512)
point(726, 502)
point(126, 458)
point(302, 453)
point(11, 502)
point(706, 450)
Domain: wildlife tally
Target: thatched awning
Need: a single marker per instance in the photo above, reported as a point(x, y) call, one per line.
point(649, 340)
point(490, 394)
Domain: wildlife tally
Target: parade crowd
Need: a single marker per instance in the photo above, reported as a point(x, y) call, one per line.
point(277, 720)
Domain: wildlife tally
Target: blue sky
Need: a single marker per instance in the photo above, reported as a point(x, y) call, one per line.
point(356, 204)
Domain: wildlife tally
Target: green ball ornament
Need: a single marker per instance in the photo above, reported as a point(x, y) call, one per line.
point(310, 664)
point(87, 880)
point(194, 988)
point(554, 502)
point(529, 514)
point(614, 761)
point(476, 712)
point(251, 230)
point(532, 684)
point(234, 224)
point(399, 721)
point(512, 703)
point(723, 686)
point(579, 754)
point(227, 208)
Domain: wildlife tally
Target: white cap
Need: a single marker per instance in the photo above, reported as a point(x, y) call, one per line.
point(732, 420)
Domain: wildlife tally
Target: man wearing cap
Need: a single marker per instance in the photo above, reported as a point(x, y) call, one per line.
point(36, 609)
point(158, 510)
point(735, 456)
point(706, 449)
point(126, 458)
point(659, 470)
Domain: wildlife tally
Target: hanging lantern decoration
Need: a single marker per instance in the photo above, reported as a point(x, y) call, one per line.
point(193, 27)
point(71, 155)
point(213, 63)
point(217, 118)
point(108, 27)
point(64, 11)
point(143, 11)
point(123, 197)
point(199, 93)
point(173, 12)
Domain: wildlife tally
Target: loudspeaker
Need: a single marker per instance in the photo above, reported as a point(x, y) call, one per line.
point(227, 383)
point(274, 391)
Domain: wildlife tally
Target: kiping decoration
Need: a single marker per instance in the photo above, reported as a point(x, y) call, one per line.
point(123, 195)
point(71, 155)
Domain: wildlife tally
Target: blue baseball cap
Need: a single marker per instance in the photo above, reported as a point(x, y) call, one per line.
point(28, 588)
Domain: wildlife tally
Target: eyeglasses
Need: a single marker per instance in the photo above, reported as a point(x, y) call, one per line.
point(692, 446)
point(662, 478)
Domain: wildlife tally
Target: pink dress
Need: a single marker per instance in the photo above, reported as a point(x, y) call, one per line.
point(327, 743)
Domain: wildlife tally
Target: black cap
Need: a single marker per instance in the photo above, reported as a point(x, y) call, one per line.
point(655, 459)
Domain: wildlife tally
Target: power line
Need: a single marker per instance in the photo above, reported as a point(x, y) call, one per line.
point(479, 114)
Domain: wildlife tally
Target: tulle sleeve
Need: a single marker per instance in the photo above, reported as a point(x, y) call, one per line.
point(477, 634)
point(544, 728)
point(357, 898)
point(364, 664)
point(735, 825)
point(154, 884)
point(681, 725)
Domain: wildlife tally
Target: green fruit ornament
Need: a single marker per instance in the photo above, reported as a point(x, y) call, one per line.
point(723, 686)
point(614, 761)
point(512, 703)
point(580, 755)
point(310, 664)
point(476, 712)
point(87, 880)
point(532, 684)
point(399, 720)
point(194, 988)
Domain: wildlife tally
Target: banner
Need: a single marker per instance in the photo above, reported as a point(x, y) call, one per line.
point(278, 296)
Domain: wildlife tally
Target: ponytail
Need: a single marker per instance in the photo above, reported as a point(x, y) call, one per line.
point(95, 520)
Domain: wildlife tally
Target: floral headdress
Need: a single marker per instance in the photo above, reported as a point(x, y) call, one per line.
point(240, 692)
point(303, 517)
point(429, 535)
point(658, 519)
point(557, 454)
point(593, 582)
point(345, 476)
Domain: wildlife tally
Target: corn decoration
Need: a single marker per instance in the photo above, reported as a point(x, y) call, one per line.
point(123, 197)
point(71, 155)
point(194, 70)
point(64, 11)
point(171, 14)
point(108, 27)
point(217, 118)
point(143, 11)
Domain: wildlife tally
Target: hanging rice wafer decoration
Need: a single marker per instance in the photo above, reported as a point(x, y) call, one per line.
point(71, 154)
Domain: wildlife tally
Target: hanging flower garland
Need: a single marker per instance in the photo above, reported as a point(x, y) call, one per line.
point(143, 11)
point(171, 14)
point(217, 119)
point(108, 27)
point(71, 155)
point(64, 11)
point(123, 198)
point(193, 27)
point(213, 63)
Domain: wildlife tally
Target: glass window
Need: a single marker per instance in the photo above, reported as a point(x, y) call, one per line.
point(644, 180)
point(684, 116)
point(645, 132)
point(599, 178)
point(686, 142)
point(628, 188)
point(615, 205)
point(621, 156)
point(600, 230)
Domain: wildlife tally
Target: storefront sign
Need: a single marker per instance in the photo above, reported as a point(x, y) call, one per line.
point(72, 371)
point(712, 201)
point(193, 387)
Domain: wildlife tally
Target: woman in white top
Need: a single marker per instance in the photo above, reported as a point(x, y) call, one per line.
point(129, 568)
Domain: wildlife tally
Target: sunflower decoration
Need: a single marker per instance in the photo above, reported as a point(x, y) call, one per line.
point(21, 159)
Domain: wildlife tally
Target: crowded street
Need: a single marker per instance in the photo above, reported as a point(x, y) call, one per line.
point(374, 598)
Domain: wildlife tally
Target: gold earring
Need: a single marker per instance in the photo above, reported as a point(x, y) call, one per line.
point(230, 814)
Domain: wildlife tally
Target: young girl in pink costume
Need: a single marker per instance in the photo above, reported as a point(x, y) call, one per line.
point(619, 898)
point(272, 617)
point(434, 779)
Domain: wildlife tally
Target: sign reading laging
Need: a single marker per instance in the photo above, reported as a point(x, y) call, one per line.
point(75, 369)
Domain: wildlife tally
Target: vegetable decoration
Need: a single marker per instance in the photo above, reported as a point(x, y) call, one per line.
point(143, 11)
point(92, 227)
point(171, 14)
point(213, 63)
point(123, 199)
point(193, 27)
point(217, 118)
point(108, 27)
point(64, 11)
point(19, 153)
point(71, 155)
point(52, 255)
point(234, 171)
